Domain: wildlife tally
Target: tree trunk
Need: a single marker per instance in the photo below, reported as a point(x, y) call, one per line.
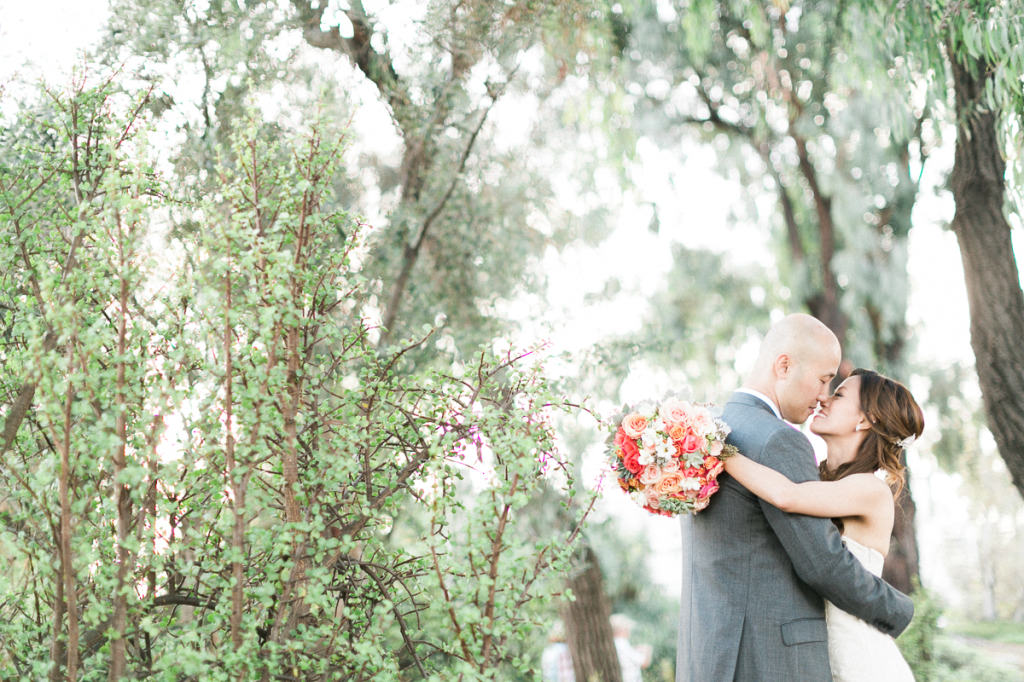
point(901, 565)
point(990, 271)
point(587, 624)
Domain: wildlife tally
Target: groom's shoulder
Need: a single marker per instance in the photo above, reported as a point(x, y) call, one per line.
point(748, 407)
point(746, 413)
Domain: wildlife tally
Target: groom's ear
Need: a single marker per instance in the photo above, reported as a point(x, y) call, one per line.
point(782, 365)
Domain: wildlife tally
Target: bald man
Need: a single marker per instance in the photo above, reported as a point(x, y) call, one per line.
point(754, 577)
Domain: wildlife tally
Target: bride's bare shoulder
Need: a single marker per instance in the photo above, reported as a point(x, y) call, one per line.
point(870, 484)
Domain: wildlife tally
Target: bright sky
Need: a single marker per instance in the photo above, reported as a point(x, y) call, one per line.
point(43, 38)
point(46, 35)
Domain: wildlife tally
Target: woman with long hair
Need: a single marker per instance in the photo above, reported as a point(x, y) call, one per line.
point(866, 425)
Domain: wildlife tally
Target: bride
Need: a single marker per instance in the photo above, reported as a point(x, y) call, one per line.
point(865, 424)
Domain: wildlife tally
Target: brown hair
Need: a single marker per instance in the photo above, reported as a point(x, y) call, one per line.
point(895, 416)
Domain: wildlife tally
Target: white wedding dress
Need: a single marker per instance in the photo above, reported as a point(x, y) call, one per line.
point(858, 652)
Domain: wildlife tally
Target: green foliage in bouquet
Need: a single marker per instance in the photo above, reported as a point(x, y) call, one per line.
point(209, 470)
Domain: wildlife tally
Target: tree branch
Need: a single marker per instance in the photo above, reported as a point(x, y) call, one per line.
point(412, 252)
point(376, 66)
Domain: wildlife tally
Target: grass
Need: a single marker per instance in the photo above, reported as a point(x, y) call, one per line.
point(957, 661)
point(994, 631)
point(960, 650)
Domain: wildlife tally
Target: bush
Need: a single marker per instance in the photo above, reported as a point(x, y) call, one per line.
point(935, 656)
point(317, 511)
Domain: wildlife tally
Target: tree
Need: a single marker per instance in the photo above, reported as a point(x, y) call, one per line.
point(977, 44)
point(460, 215)
point(588, 624)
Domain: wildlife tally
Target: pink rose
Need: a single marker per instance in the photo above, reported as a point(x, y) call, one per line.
point(670, 467)
point(716, 448)
point(702, 422)
point(675, 412)
point(650, 475)
point(631, 460)
point(652, 499)
point(691, 442)
point(709, 489)
point(634, 424)
point(627, 447)
point(701, 504)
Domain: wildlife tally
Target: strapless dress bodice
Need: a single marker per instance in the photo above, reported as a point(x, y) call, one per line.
point(858, 652)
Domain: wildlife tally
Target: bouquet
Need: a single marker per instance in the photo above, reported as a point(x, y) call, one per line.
point(668, 458)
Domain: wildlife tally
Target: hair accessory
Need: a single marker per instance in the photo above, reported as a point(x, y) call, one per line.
point(904, 442)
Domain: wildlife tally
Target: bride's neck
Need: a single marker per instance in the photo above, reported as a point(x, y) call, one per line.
point(840, 450)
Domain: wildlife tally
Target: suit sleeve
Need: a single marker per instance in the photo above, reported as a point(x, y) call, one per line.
point(816, 549)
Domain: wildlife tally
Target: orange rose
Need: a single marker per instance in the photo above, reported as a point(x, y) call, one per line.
point(677, 431)
point(669, 483)
point(634, 424)
point(713, 465)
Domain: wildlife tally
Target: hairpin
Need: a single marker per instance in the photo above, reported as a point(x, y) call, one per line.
point(904, 442)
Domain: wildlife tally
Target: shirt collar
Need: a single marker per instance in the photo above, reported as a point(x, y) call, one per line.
point(762, 397)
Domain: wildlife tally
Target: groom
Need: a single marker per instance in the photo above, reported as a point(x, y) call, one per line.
point(754, 577)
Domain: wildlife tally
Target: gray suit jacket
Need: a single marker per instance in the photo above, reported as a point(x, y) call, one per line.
point(754, 577)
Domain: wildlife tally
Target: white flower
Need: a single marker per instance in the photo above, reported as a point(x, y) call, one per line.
point(690, 484)
point(665, 449)
point(650, 438)
point(638, 498)
point(723, 428)
point(646, 456)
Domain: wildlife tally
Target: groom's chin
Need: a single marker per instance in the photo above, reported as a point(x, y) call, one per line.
point(808, 413)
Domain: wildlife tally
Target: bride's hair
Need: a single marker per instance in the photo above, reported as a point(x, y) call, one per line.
point(896, 419)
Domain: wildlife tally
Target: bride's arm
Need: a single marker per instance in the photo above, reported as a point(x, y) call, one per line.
point(854, 495)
